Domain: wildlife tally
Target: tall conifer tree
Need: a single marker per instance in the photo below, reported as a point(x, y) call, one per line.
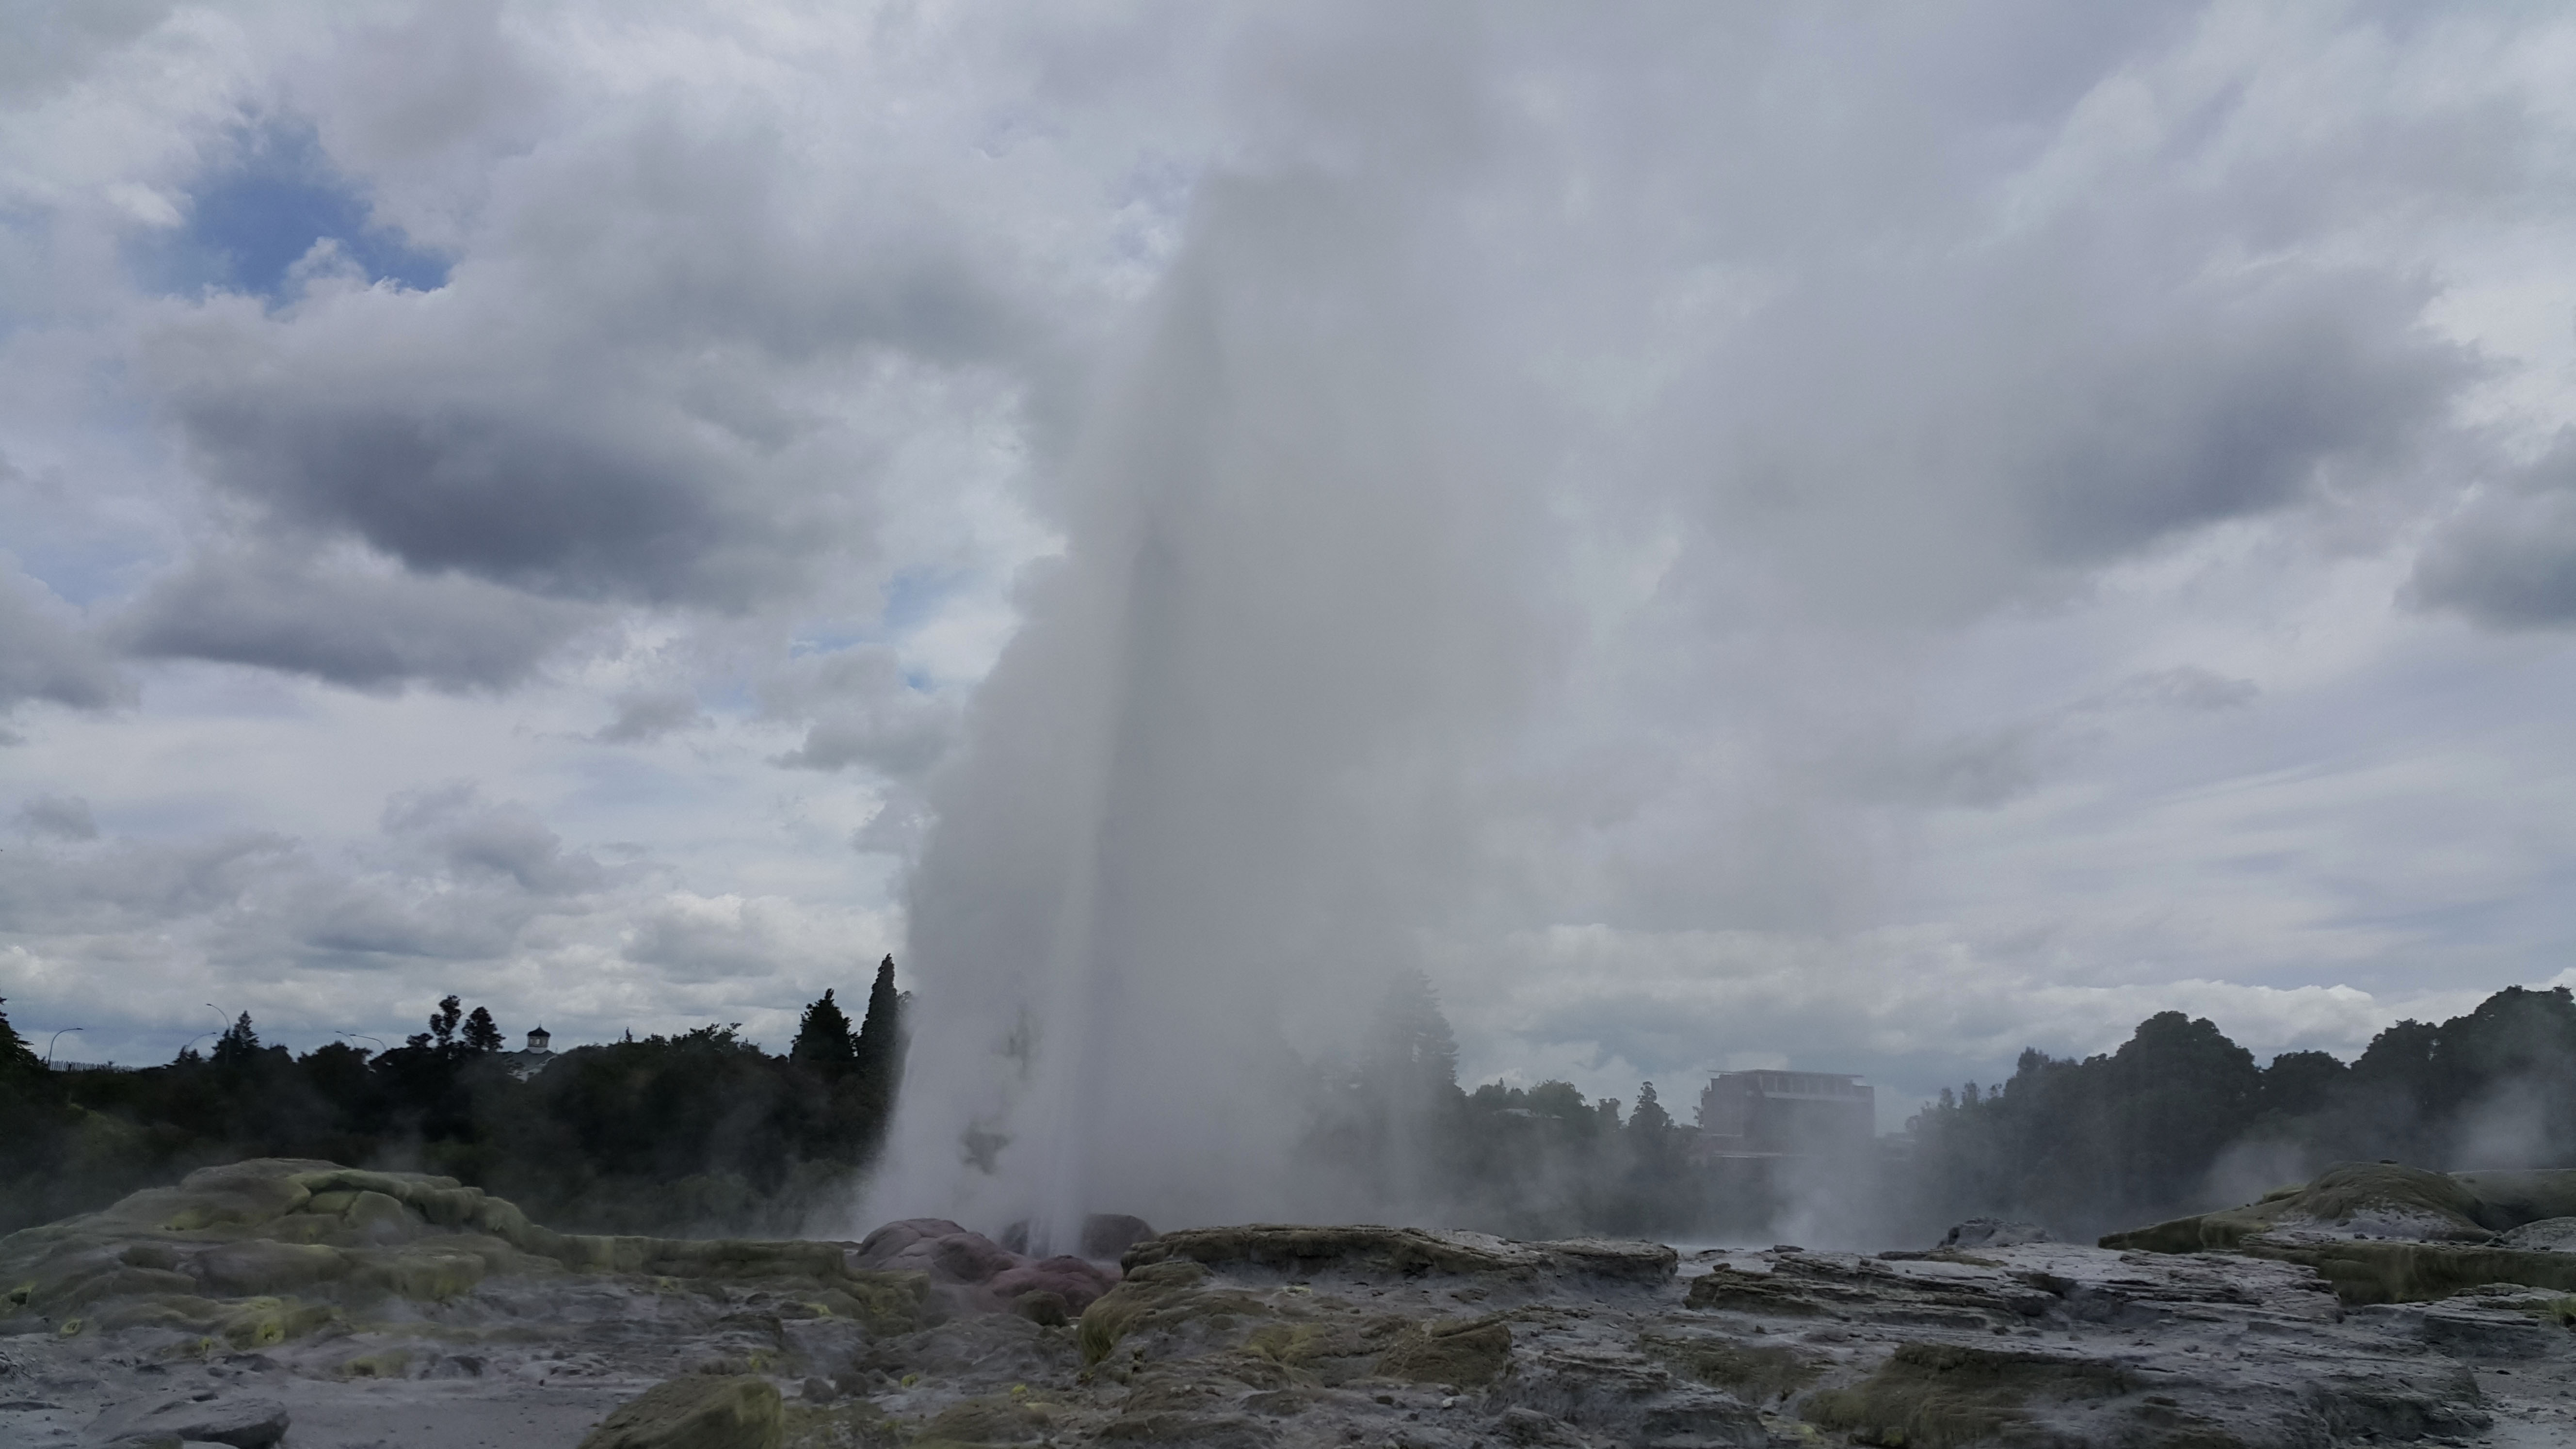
point(879, 1052)
point(823, 1037)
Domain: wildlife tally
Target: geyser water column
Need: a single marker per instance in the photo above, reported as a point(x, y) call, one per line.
point(1200, 813)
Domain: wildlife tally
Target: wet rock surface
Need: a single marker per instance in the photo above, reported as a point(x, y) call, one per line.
point(415, 1313)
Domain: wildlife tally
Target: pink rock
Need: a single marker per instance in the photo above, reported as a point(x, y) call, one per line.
point(880, 1248)
point(970, 1273)
point(1074, 1280)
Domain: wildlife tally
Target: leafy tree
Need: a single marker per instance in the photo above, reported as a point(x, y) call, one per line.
point(482, 1034)
point(1560, 1100)
point(17, 1059)
point(1650, 1123)
point(823, 1037)
point(238, 1045)
point(2179, 1091)
point(442, 1023)
point(2298, 1083)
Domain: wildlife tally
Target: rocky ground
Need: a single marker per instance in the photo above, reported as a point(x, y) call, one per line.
point(304, 1304)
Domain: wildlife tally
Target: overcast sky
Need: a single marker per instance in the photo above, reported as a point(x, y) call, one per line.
point(1862, 538)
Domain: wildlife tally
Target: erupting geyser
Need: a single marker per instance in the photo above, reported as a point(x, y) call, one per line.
point(1197, 820)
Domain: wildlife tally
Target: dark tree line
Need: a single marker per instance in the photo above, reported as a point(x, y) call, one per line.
point(705, 1131)
point(2180, 1118)
point(698, 1131)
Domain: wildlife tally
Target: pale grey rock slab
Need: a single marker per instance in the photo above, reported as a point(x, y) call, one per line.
point(244, 1421)
point(2549, 1235)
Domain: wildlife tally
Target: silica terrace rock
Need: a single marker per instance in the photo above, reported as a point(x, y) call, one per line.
point(397, 1309)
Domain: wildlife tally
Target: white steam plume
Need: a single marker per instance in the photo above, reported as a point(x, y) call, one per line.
point(1202, 806)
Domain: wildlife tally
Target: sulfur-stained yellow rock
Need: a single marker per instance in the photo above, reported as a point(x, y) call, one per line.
point(255, 1253)
point(695, 1411)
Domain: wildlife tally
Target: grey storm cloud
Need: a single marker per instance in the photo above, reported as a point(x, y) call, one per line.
point(62, 817)
point(579, 413)
point(1952, 433)
point(2508, 560)
point(697, 945)
point(123, 884)
point(650, 715)
point(1986, 768)
point(471, 837)
point(863, 712)
point(629, 389)
point(46, 656)
point(373, 925)
point(370, 629)
point(450, 878)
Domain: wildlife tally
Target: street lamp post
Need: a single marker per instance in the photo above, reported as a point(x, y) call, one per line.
point(49, 1045)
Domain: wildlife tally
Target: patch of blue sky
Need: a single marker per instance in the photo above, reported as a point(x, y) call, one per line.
point(83, 573)
point(251, 218)
point(829, 641)
point(727, 697)
point(914, 597)
point(911, 600)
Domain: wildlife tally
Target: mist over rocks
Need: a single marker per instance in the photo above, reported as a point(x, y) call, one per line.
point(312, 1305)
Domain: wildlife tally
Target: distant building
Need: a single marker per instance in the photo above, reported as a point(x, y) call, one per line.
point(526, 1064)
point(1785, 1114)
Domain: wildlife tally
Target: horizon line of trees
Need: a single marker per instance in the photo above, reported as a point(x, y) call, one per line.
point(2178, 1119)
point(703, 1130)
point(697, 1131)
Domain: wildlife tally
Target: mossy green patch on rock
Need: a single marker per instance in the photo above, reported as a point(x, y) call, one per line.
point(2443, 1230)
point(2381, 1271)
point(391, 1363)
point(79, 1289)
point(1328, 1351)
point(1145, 1291)
point(1754, 1372)
point(1404, 1252)
point(279, 1227)
point(263, 1266)
point(1944, 1396)
point(1463, 1355)
point(1199, 1410)
point(988, 1419)
point(853, 1424)
point(2437, 1205)
point(696, 1411)
point(424, 1274)
point(242, 1323)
